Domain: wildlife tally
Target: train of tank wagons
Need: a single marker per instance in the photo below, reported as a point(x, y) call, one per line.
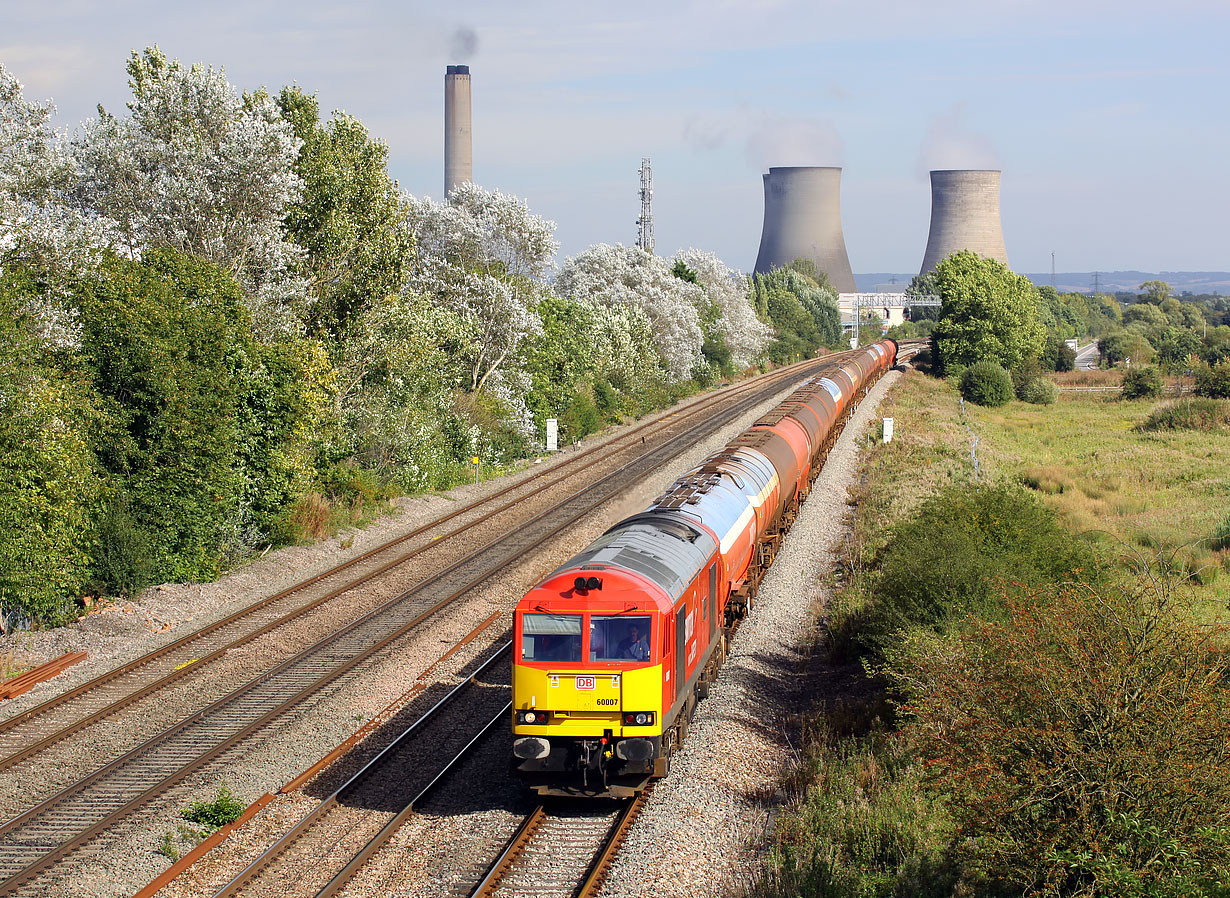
point(615, 648)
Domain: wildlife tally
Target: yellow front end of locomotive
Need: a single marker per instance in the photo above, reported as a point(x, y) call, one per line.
point(587, 703)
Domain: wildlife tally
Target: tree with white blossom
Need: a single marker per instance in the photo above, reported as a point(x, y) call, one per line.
point(626, 275)
point(200, 168)
point(37, 227)
point(483, 256)
point(745, 335)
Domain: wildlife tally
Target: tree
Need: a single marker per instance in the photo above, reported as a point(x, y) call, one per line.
point(1155, 292)
point(625, 275)
point(988, 312)
point(803, 313)
point(351, 217)
point(923, 285)
point(39, 231)
point(742, 333)
point(207, 431)
point(200, 169)
point(483, 256)
point(49, 487)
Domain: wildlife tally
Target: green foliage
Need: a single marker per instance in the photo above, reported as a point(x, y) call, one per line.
point(1214, 380)
point(681, 270)
point(1142, 383)
point(950, 558)
point(225, 808)
point(165, 340)
point(1043, 731)
point(1189, 414)
point(122, 561)
point(1039, 391)
point(49, 488)
point(988, 313)
point(986, 383)
point(1121, 345)
point(350, 219)
point(208, 431)
point(863, 826)
point(803, 312)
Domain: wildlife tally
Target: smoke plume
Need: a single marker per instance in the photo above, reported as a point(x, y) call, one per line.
point(463, 43)
point(949, 143)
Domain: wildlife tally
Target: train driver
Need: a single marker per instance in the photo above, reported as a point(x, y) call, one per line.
point(634, 646)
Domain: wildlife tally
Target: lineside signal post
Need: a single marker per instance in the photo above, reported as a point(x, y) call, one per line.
point(474, 461)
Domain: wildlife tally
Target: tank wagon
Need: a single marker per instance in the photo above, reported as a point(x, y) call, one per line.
point(615, 648)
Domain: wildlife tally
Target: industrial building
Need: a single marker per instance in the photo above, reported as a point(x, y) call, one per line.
point(802, 220)
point(964, 215)
point(458, 143)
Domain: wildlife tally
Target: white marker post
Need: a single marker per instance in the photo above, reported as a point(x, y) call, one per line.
point(888, 430)
point(552, 434)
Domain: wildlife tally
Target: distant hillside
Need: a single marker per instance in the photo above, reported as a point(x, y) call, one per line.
point(1080, 281)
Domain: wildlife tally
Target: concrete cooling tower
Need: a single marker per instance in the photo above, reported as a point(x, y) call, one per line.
point(458, 146)
point(802, 219)
point(964, 215)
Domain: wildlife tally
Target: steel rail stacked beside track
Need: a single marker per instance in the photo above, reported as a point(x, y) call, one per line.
point(38, 838)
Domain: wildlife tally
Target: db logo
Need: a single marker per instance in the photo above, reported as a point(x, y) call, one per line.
point(585, 682)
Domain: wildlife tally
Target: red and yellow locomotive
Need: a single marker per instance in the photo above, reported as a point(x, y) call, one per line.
point(615, 648)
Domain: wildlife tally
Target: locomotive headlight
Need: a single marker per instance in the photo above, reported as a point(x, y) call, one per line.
point(531, 716)
point(638, 718)
point(642, 719)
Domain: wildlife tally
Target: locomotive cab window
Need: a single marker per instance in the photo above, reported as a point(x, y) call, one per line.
point(622, 637)
point(551, 637)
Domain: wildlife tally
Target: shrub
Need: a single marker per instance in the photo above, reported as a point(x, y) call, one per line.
point(1214, 380)
point(950, 558)
point(1039, 391)
point(122, 560)
point(224, 809)
point(1080, 743)
point(1142, 383)
point(1189, 414)
point(986, 383)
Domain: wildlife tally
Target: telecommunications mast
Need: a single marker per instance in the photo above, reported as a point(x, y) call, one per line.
point(644, 224)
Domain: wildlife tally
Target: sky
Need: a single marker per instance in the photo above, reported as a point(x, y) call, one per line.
point(1108, 119)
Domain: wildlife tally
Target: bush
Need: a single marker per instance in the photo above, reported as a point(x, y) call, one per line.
point(1213, 381)
point(1189, 414)
point(986, 383)
point(224, 809)
point(1039, 391)
point(951, 558)
point(1080, 743)
point(1142, 383)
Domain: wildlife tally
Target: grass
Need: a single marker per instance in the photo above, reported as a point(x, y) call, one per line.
point(859, 822)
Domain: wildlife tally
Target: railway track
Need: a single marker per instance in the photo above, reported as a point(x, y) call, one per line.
point(65, 716)
point(36, 840)
point(560, 852)
point(321, 853)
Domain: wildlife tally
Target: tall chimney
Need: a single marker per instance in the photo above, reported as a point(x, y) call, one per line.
point(802, 219)
point(458, 148)
point(964, 215)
